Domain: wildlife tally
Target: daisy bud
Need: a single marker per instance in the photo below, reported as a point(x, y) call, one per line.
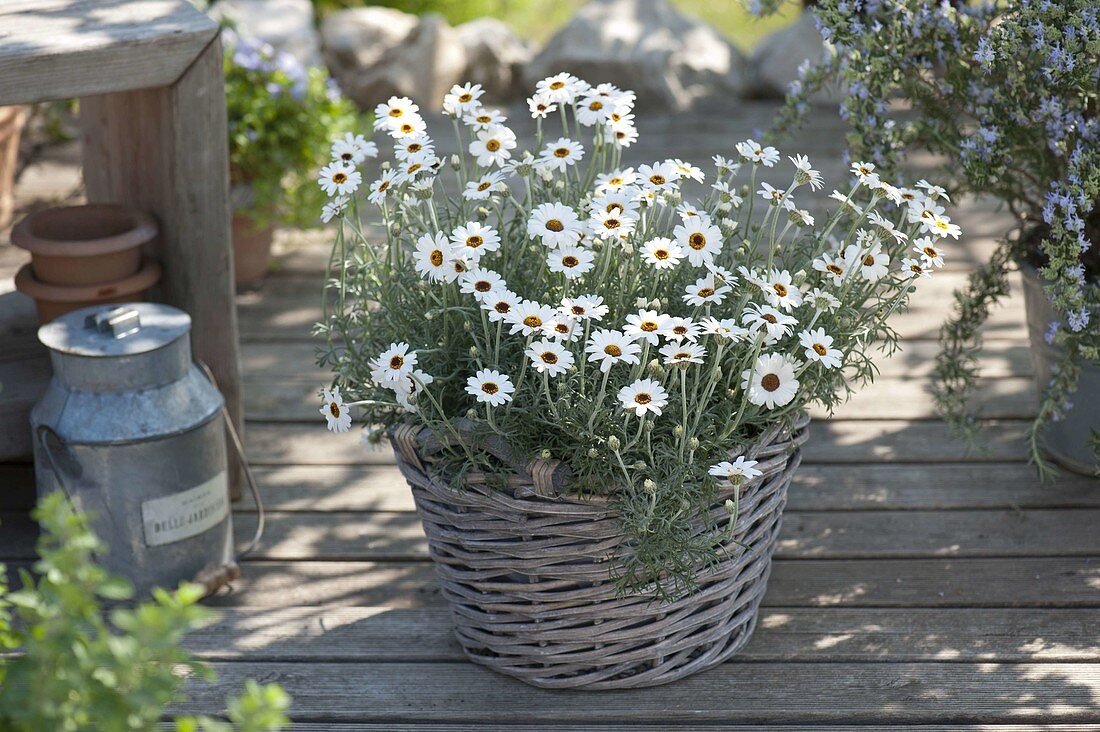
point(648, 426)
point(731, 393)
point(593, 452)
point(474, 353)
point(639, 465)
point(466, 325)
point(693, 443)
point(628, 248)
point(422, 285)
point(385, 165)
point(456, 162)
point(430, 315)
point(678, 430)
point(656, 370)
point(685, 504)
point(730, 224)
point(395, 228)
point(656, 304)
point(559, 185)
point(613, 443)
point(471, 414)
point(801, 177)
point(547, 176)
point(545, 454)
point(725, 206)
point(649, 486)
point(731, 508)
point(640, 302)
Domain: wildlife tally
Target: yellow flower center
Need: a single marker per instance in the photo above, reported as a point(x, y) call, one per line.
point(490, 388)
point(769, 317)
point(549, 357)
point(555, 225)
point(835, 269)
point(492, 145)
point(648, 326)
point(561, 152)
point(532, 321)
point(577, 310)
point(819, 349)
point(483, 286)
point(474, 241)
point(657, 179)
point(661, 254)
point(503, 307)
point(706, 291)
point(643, 398)
point(396, 362)
point(436, 258)
point(931, 252)
point(414, 147)
point(557, 85)
point(613, 350)
point(340, 178)
point(868, 261)
point(334, 409)
point(570, 261)
point(697, 241)
point(561, 328)
point(467, 97)
point(396, 111)
point(484, 186)
point(484, 118)
point(681, 356)
point(780, 289)
point(770, 382)
point(407, 128)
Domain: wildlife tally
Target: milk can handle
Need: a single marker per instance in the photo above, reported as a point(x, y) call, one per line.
point(44, 432)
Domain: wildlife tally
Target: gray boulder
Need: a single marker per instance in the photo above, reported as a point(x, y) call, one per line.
point(776, 60)
point(495, 57)
point(286, 24)
point(671, 60)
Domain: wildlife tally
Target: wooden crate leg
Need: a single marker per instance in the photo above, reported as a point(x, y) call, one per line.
point(165, 151)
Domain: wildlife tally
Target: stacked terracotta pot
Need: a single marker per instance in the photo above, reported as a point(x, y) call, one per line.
point(85, 255)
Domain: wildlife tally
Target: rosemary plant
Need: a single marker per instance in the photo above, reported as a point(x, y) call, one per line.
point(1008, 92)
point(601, 315)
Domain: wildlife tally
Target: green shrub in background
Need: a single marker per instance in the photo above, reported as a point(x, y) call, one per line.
point(72, 665)
point(282, 118)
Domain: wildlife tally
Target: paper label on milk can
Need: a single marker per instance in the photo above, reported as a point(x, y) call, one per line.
point(189, 513)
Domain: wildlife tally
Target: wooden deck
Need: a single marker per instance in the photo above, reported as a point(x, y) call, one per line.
point(915, 585)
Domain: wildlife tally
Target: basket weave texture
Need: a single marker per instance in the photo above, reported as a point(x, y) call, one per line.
point(525, 569)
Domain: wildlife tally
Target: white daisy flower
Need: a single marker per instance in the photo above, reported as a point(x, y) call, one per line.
point(942, 227)
point(540, 106)
point(774, 196)
point(648, 325)
point(481, 283)
point(677, 352)
point(758, 154)
point(873, 263)
point(560, 154)
point(394, 111)
point(560, 88)
point(771, 382)
point(462, 99)
point(892, 193)
point(562, 328)
point(726, 328)
point(781, 292)
point(353, 149)
point(705, 291)
point(584, 307)
point(611, 225)
point(774, 323)
point(571, 261)
point(593, 110)
point(689, 171)
point(483, 187)
point(414, 165)
point(623, 135)
point(393, 364)
point(819, 347)
point(926, 248)
point(334, 208)
point(406, 390)
point(339, 179)
point(622, 200)
point(490, 387)
point(806, 173)
point(798, 216)
point(924, 212)
point(380, 188)
point(609, 347)
point(821, 300)
point(934, 192)
point(529, 317)
point(662, 253)
point(886, 225)
point(682, 329)
point(412, 126)
point(912, 268)
point(500, 304)
point(643, 396)
point(724, 165)
point(433, 258)
point(727, 195)
point(833, 267)
point(473, 240)
point(865, 174)
point(549, 357)
point(615, 180)
point(736, 472)
point(336, 412)
point(493, 146)
point(658, 177)
point(701, 240)
point(482, 119)
point(555, 224)
point(407, 147)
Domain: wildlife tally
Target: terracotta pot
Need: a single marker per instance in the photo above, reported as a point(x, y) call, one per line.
point(54, 300)
point(85, 245)
point(11, 126)
point(251, 250)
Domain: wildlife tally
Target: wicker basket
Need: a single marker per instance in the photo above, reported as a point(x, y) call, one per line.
point(526, 573)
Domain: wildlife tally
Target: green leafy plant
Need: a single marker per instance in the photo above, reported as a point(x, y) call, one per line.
point(77, 658)
point(281, 118)
point(1008, 93)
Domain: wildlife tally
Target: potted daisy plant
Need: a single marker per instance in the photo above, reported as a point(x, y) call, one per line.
point(594, 376)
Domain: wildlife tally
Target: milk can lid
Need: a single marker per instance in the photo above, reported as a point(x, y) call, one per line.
point(115, 330)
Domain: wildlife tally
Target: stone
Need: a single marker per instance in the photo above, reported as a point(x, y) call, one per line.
point(286, 24)
point(672, 61)
point(372, 59)
point(775, 62)
point(495, 57)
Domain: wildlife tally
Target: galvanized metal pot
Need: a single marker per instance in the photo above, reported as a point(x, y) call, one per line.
point(134, 433)
point(1067, 441)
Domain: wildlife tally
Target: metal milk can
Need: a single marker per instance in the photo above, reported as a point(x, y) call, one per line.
point(134, 433)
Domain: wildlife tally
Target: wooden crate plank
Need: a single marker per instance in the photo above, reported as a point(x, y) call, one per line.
point(58, 49)
point(1016, 582)
point(749, 692)
point(285, 309)
point(782, 634)
point(833, 441)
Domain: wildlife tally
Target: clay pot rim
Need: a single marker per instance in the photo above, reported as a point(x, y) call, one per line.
point(143, 279)
point(143, 228)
